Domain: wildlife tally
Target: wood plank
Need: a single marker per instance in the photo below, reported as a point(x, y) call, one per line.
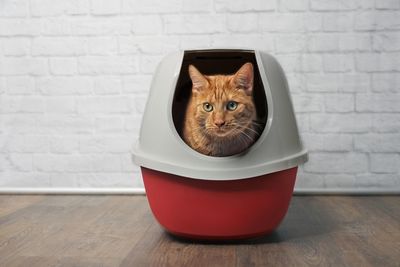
point(121, 231)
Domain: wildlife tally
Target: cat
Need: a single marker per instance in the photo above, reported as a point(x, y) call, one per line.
point(220, 118)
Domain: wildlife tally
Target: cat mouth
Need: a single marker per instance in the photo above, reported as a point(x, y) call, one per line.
point(222, 132)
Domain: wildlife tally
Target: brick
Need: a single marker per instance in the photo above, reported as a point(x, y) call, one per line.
point(65, 85)
point(56, 26)
point(24, 179)
point(339, 181)
point(136, 84)
point(106, 163)
point(139, 103)
point(244, 6)
point(308, 103)
point(154, 45)
point(197, 6)
point(384, 163)
point(109, 124)
point(337, 162)
point(64, 144)
point(338, 63)
point(339, 103)
point(290, 43)
point(323, 82)
point(340, 123)
point(306, 180)
point(355, 42)
point(19, 104)
point(326, 5)
point(108, 85)
point(105, 180)
point(337, 22)
point(105, 7)
point(104, 105)
point(149, 63)
point(107, 65)
point(297, 82)
point(127, 165)
point(313, 22)
point(303, 122)
point(105, 25)
point(373, 142)
point(387, 4)
point(58, 46)
point(385, 82)
point(377, 20)
point(20, 27)
point(20, 85)
point(256, 41)
point(151, 6)
point(127, 45)
point(42, 8)
point(310, 63)
point(63, 66)
point(242, 22)
point(63, 180)
point(20, 123)
point(354, 83)
point(23, 66)
point(378, 102)
point(194, 24)
point(109, 144)
point(26, 143)
point(377, 181)
point(376, 62)
point(62, 163)
point(287, 5)
point(132, 124)
point(102, 45)
point(16, 162)
point(193, 41)
point(386, 41)
point(323, 43)
point(17, 46)
point(147, 24)
point(14, 8)
point(328, 142)
point(275, 22)
point(65, 124)
point(2, 86)
point(64, 104)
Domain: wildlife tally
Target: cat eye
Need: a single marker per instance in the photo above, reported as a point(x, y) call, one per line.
point(232, 105)
point(207, 107)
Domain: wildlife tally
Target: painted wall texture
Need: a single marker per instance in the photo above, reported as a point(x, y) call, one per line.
point(74, 77)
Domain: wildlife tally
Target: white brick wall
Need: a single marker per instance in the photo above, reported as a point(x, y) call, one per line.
point(74, 77)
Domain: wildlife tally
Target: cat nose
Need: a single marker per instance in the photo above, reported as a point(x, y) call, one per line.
point(219, 123)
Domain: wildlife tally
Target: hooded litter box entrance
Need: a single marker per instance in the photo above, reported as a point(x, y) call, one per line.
point(200, 196)
point(217, 62)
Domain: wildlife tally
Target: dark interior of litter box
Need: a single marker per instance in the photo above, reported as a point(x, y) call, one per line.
point(212, 62)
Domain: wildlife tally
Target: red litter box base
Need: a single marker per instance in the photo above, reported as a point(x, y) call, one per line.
point(234, 209)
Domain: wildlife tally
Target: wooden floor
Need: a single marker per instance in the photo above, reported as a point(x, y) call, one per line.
point(121, 231)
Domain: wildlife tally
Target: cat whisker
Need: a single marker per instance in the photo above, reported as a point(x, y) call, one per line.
point(247, 128)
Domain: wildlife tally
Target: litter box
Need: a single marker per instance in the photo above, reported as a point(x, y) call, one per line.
point(204, 197)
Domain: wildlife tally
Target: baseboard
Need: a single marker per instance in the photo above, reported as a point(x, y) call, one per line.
point(73, 191)
point(141, 191)
point(346, 191)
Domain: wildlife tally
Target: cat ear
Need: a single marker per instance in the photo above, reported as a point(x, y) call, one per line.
point(244, 78)
point(198, 79)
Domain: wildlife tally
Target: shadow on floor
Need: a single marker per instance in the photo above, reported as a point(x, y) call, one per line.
point(305, 219)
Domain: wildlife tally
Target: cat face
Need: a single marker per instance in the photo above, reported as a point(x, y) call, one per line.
point(223, 105)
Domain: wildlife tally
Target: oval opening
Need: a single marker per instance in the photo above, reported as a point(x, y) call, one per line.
point(218, 62)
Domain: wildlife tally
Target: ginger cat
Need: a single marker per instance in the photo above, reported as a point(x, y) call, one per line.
point(220, 116)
